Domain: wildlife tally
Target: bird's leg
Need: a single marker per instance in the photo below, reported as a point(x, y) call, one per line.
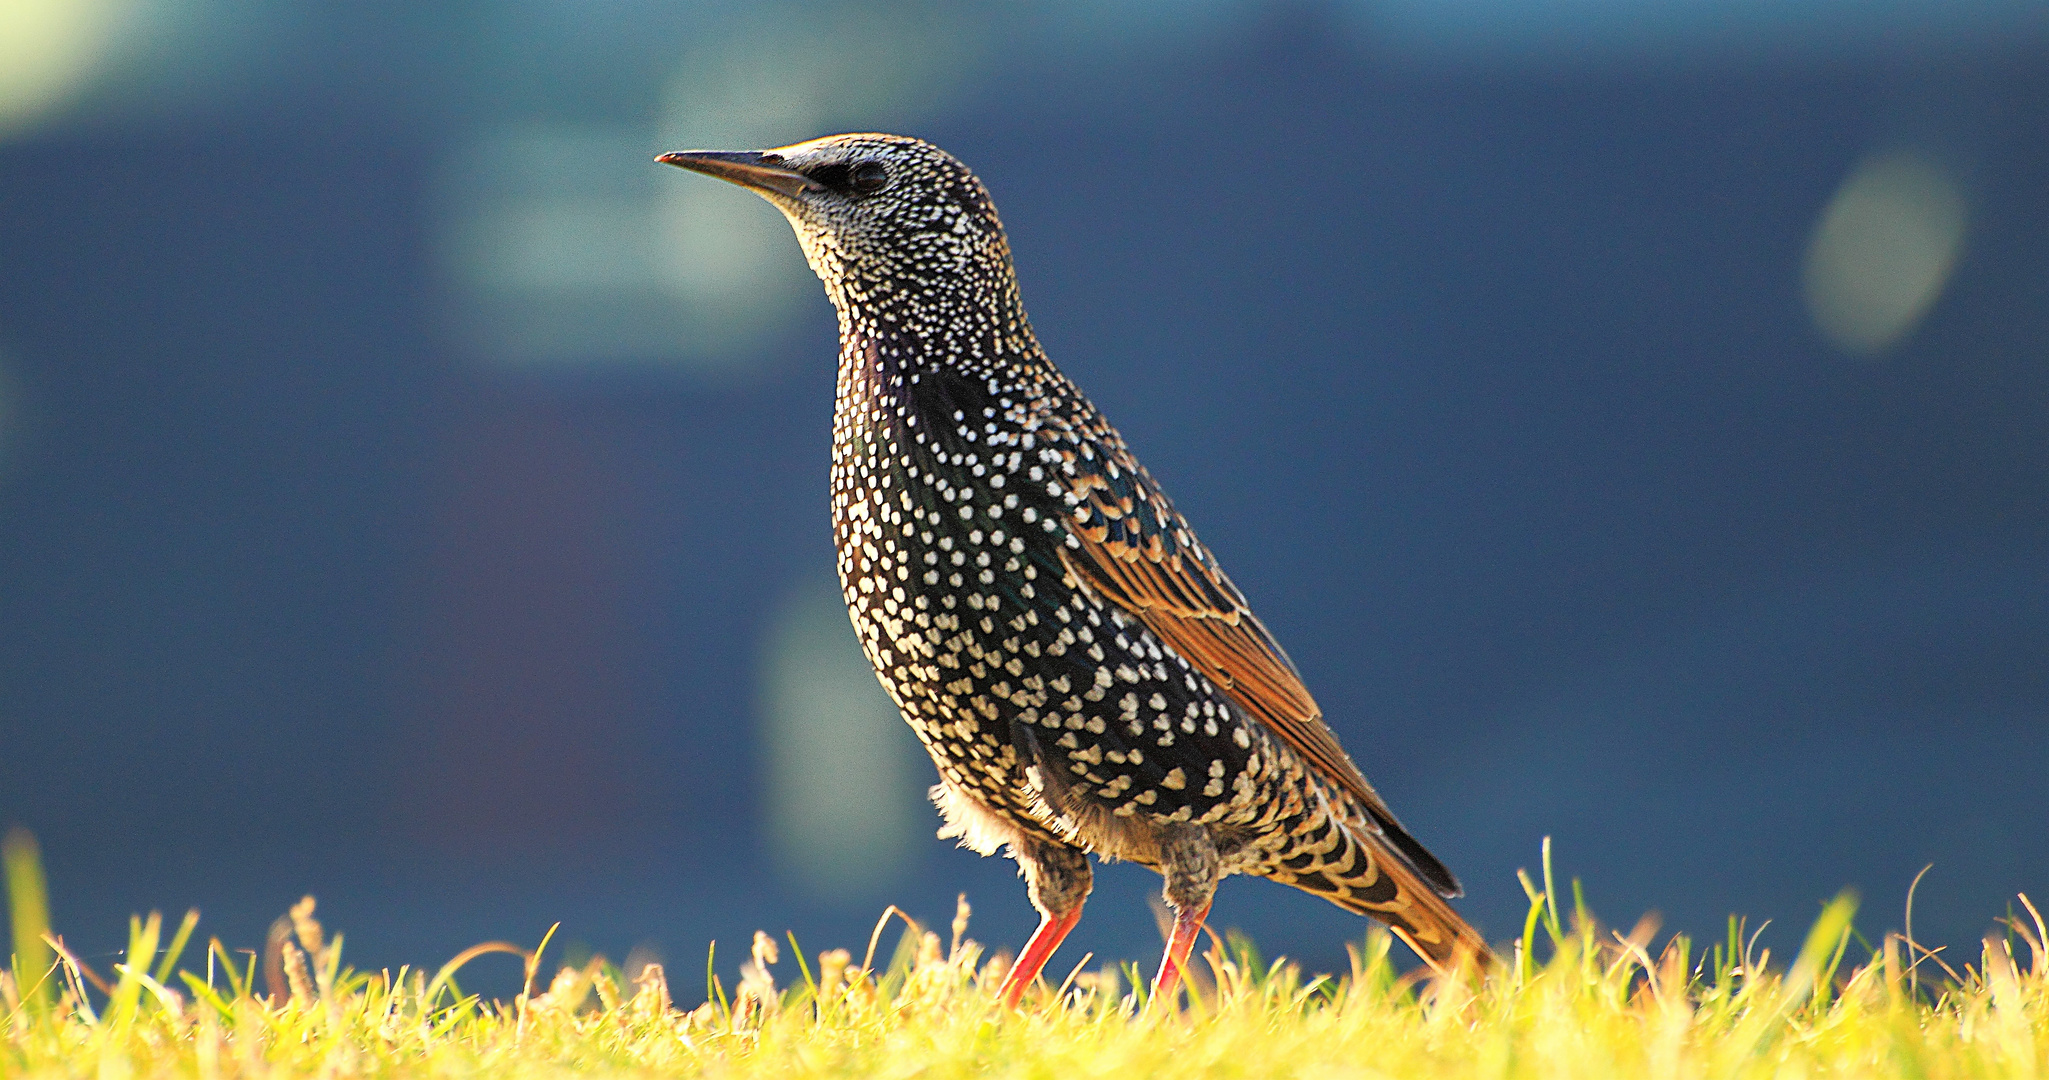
point(1052, 928)
point(1188, 860)
point(1058, 880)
point(1187, 924)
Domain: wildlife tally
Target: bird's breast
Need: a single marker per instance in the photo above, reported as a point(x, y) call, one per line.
point(948, 568)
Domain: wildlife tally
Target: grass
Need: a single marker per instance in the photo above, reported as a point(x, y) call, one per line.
point(1568, 1000)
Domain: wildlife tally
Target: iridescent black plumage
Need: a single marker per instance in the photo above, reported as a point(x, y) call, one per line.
point(1082, 672)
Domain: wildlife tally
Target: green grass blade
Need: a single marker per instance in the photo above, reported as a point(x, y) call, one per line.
point(142, 948)
point(28, 907)
point(177, 946)
point(797, 951)
point(1551, 919)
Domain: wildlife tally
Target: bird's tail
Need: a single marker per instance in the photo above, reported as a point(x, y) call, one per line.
point(1428, 925)
point(1364, 873)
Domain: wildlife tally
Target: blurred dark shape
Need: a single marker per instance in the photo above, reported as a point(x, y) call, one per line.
point(527, 652)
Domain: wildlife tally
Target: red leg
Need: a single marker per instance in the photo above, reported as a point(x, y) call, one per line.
point(1187, 924)
point(1052, 928)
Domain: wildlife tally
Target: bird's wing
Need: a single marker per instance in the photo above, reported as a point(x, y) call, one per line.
point(1137, 552)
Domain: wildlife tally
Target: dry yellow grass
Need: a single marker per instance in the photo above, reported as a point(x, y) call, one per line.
point(1567, 1001)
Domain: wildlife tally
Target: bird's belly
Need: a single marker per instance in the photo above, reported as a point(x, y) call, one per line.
point(1066, 717)
point(956, 666)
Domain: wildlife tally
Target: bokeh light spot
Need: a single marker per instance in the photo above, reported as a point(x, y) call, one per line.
point(726, 254)
point(49, 52)
point(567, 244)
point(844, 786)
point(1883, 250)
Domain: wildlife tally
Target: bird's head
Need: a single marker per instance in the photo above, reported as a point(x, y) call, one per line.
point(873, 210)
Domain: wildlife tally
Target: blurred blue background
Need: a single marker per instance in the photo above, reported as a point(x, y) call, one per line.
point(1634, 418)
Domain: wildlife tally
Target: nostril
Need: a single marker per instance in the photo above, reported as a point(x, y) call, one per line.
point(771, 159)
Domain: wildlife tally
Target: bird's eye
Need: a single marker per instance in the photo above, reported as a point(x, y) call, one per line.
point(868, 177)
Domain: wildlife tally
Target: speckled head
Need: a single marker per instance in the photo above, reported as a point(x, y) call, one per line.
point(873, 210)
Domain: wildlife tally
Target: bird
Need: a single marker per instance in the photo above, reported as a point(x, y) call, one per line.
point(1083, 673)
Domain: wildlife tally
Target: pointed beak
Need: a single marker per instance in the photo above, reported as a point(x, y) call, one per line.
point(761, 172)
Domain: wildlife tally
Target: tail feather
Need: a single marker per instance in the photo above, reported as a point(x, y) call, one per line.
point(1429, 926)
point(1412, 851)
point(1358, 870)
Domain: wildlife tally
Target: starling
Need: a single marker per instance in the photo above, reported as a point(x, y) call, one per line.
point(1084, 675)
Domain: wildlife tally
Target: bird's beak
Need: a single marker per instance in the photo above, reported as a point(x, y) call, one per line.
point(753, 169)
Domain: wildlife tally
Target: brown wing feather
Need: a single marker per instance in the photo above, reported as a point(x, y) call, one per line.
point(1177, 600)
point(1188, 602)
point(1140, 554)
point(1137, 552)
